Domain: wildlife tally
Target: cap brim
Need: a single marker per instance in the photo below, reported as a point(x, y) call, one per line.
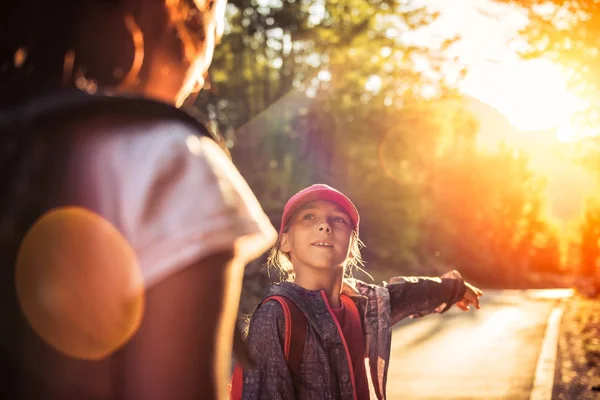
point(321, 194)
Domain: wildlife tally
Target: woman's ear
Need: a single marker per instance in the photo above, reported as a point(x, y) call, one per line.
point(285, 244)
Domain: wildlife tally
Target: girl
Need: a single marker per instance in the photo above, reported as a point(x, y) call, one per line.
point(147, 169)
point(348, 322)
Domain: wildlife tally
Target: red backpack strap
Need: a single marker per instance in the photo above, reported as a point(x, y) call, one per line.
point(293, 346)
point(237, 383)
point(297, 337)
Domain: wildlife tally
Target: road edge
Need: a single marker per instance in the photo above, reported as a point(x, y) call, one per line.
point(543, 382)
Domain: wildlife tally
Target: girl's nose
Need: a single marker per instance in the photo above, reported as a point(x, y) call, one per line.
point(324, 227)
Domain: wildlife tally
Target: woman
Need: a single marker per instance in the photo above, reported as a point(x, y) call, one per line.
point(189, 218)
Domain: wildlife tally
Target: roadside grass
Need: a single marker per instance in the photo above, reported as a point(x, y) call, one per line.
point(578, 359)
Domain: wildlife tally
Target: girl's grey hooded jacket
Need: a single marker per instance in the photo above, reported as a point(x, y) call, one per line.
point(325, 372)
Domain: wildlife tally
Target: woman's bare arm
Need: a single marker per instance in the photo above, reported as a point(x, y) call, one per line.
point(183, 347)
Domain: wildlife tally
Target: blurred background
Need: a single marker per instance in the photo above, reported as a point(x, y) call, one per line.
point(463, 130)
point(466, 132)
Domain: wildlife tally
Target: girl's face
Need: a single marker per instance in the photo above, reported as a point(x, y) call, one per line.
point(320, 236)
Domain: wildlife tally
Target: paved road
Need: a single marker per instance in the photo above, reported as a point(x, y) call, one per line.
point(487, 354)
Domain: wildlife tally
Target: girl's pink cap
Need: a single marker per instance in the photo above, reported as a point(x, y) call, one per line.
point(319, 191)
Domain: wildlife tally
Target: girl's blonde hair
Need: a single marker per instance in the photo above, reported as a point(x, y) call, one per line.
point(280, 261)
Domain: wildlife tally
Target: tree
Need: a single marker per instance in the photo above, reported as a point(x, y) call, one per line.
point(486, 210)
point(567, 33)
point(305, 92)
point(338, 92)
point(590, 240)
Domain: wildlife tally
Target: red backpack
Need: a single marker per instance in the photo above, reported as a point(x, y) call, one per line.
point(295, 336)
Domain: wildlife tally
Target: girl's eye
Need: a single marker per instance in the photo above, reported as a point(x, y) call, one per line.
point(339, 220)
point(308, 216)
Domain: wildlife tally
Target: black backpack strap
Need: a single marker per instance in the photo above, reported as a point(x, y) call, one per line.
point(76, 104)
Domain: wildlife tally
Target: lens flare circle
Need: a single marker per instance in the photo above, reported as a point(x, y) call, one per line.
point(78, 283)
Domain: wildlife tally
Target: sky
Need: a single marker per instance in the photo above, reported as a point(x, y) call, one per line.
point(532, 94)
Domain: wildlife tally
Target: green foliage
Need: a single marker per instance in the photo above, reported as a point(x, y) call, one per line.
point(339, 92)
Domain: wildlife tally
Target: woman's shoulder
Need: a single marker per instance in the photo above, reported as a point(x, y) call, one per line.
point(141, 144)
point(147, 149)
point(174, 193)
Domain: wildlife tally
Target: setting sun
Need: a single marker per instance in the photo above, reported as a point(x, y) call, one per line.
point(532, 94)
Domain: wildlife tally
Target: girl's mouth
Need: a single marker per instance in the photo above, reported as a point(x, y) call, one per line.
point(323, 244)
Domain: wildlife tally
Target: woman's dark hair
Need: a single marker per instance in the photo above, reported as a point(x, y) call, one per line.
point(35, 35)
point(48, 45)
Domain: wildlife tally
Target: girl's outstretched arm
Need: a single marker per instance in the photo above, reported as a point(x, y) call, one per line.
point(420, 296)
point(271, 377)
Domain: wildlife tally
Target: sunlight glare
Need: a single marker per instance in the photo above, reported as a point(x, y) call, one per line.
point(566, 134)
point(373, 84)
point(324, 75)
point(551, 294)
point(317, 13)
point(532, 94)
point(385, 51)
